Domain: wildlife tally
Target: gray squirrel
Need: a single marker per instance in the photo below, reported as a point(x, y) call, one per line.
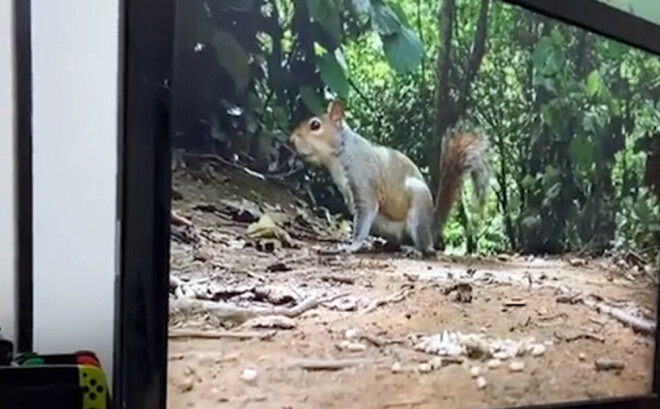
point(383, 188)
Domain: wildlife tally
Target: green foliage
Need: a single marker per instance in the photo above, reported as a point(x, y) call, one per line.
point(333, 75)
point(326, 13)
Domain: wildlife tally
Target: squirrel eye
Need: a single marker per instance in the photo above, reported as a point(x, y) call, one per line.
point(314, 124)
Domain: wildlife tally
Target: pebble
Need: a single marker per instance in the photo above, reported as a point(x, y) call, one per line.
point(435, 362)
point(425, 368)
point(582, 356)
point(396, 368)
point(517, 366)
point(475, 372)
point(606, 364)
point(502, 356)
point(249, 375)
point(494, 363)
point(538, 350)
point(355, 347)
point(187, 385)
point(351, 333)
point(481, 382)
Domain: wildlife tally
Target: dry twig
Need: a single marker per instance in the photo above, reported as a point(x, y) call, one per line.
point(394, 298)
point(175, 334)
point(328, 364)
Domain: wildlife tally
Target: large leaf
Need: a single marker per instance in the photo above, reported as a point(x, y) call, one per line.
point(594, 83)
point(326, 13)
point(542, 53)
point(232, 58)
point(312, 100)
point(333, 75)
point(403, 51)
point(385, 20)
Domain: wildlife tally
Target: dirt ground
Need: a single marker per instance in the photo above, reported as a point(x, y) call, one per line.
point(369, 311)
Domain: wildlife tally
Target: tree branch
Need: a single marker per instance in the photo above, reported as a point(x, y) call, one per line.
point(477, 55)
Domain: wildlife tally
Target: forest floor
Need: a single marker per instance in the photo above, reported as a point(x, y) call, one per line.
point(259, 318)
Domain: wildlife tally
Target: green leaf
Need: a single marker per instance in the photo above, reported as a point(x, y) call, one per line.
point(528, 181)
point(582, 153)
point(589, 122)
point(557, 37)
point(593, 83)
point(312, 100)
point(542, 53)
point(403, 51)
point(326, 13)
point(232, 58)
point(398, 10)
point(386, 22)
point(333, 75)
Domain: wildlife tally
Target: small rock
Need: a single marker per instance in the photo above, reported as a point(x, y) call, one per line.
point(494, 364)
point(355, 347)
point(271, 321)
point(481, 382)
point(502, 356)
point(435, 362)
point(576, 262)
point(249, 375)
point(516, 366)
point(425, 368)
point(186, 385)
point(275, 294)
point(396, 368)
point(475, 371)
point(200, 254)
point(351, 333)
point(278, 268)
point(538, 350)
point(582, 356)
point(606, 364)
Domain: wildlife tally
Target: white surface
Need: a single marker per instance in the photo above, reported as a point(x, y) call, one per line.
point(74, 59)
point(7, 174)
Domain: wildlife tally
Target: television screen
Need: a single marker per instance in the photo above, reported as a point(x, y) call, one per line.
point(409, 204)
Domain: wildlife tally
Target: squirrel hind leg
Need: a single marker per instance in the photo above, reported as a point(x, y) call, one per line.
point(420, 217)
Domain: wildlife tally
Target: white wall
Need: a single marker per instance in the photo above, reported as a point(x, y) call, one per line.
point(7, 174)
point(75, 65)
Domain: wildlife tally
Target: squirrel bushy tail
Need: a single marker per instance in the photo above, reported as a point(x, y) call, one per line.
point(462, 153)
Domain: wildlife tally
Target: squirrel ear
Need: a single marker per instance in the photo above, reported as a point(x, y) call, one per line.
point(336, 112)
